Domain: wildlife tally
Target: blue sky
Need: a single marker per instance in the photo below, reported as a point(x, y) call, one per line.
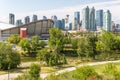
point(22, 8)
point(17, 6)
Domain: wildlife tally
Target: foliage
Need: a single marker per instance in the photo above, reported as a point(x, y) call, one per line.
point(74, 43)
point(56, 40)
point(24, 44)
point(8, 57)
point(32, 46)
point(14, 39)
point(82, 73)
point(34, 71)
point(51, 58)
point(111, 71)
point(105, 42)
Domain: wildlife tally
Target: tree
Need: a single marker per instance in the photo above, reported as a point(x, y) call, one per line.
point(92, 39)
point(8, 57)
point(64, 61)
point(56, 40)
point(31, 46)
point(34, 71)
point(14, 39)
point(42, 44)
point(25, 45)
point(106, 43)
point(74, 43)
point(81, 50)
point(34, 44)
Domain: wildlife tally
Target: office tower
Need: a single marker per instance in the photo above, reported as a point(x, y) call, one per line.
point(18, 22)
point(70, 26)
point(54, 18)
point(27, 19)
point(44, 17)
point(107, 23)
point(59, 24)
point(63, 24)
point(92, 26)
point(99, 19)
point(113, 26)
point(11, 18)
point(117, 27)
point(85, 19)
point(76, 20)
point(34, 18)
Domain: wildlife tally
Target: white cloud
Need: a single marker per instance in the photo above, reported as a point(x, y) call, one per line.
point(113, 6)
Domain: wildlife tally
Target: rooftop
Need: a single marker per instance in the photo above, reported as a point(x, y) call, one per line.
point(4, 26)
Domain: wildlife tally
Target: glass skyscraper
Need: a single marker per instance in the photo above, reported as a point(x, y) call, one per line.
point(44, 17)
point(19, 22)
point(107, 24)
point(34, 18)
point(63, 24)
point(27, 19)
point(85, 18)
point(54, 18)
point(76, 20)
point(11, 18)
point(99, 18)
point(92, 26)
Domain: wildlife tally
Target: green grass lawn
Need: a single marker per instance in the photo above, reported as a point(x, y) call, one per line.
point(28, 59)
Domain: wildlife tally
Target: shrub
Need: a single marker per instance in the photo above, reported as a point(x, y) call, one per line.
point(85, 73)
point(34, 71)
point(8, 57)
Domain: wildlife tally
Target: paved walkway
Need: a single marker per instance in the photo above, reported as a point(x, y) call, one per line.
point(43, 76)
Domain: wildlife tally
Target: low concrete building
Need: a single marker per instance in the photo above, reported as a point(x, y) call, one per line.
point(39, 28)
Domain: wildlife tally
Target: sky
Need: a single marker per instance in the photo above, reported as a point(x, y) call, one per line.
point(22, 8)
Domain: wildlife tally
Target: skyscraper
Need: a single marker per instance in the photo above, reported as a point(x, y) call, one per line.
point(99, 19)
point(19, 22)
point(76, 20)
point(63, 24)
point(44, 17)
point(92, 26)
point(27, 19)
point(59, 24)
point(34, 18)
point(54, 18)
point(11, 18)
point(85, 19)
point(70, 26)
point(107, 24)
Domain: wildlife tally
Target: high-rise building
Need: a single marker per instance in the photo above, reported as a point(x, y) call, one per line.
point(76, 20)
point(85, 19)
point(19, 22)
point(54, 18)
point(34, 18)
point(92, 26)
point(107, 23)
point(63, 24)
point(99, 19)
point(11, 18)
point(59, 24)
point(70, 26)
point(27, 19)
point(44, 17)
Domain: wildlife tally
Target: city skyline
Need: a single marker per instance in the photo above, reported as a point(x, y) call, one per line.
point(62, 12)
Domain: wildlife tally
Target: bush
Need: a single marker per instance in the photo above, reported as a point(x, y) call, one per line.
point(34, 71)
point(111, 72)
point(85, 73)
point(9, 58)
point(14, 39)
